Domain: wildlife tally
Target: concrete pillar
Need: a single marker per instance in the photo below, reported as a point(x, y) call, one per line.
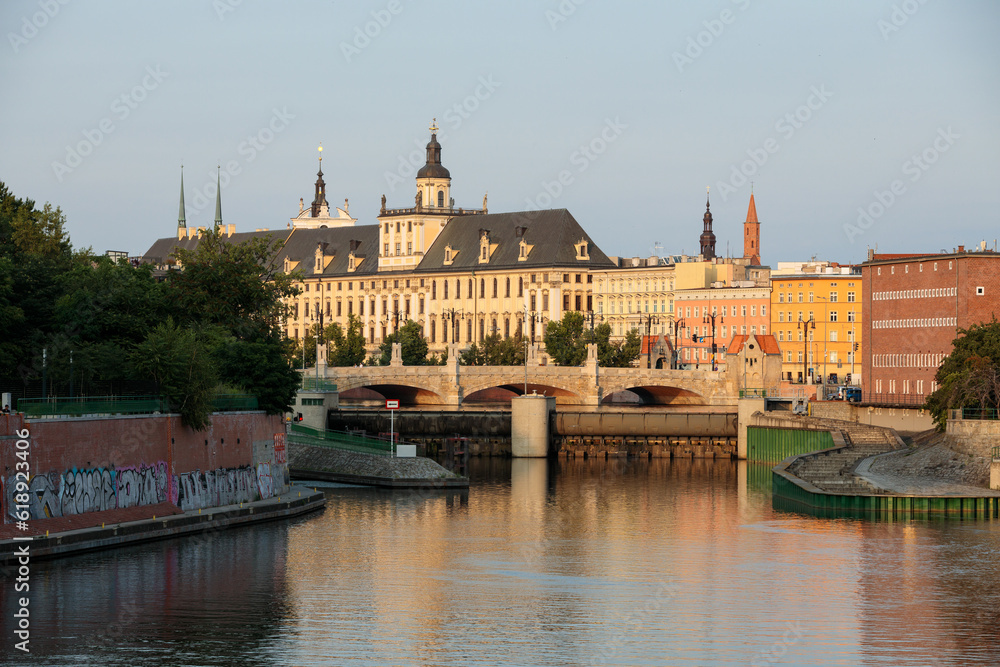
point(397, 355)
point(995, 475)
point(529, 425)
point(745, 409)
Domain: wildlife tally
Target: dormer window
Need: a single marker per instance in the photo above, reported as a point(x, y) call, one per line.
point(351, 262)
point(582, 250)
point(449, 255)
point(524, 249)
point(287, 268)
point(485, 247)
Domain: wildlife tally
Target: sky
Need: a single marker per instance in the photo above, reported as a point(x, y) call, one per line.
point(859, 123)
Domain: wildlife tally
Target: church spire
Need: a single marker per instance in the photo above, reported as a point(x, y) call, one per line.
point(218, 197)
point(181, 218)
point(707, 240)
point(751, 234)
point(319, 199)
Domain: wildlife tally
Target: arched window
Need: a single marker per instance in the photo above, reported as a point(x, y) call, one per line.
point(482, 292)
point(494, 288)
point(433, 329)
point(440, 198)
point(520, 287)
point(507, 291)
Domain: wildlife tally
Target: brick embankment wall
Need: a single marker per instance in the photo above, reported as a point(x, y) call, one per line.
point(82, 465)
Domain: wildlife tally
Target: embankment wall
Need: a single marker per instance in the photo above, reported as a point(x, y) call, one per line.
point(76, 465)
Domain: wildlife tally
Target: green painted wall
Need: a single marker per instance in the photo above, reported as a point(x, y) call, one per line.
point(776, 444)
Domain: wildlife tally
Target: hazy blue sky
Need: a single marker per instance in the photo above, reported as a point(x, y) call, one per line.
point(826, 104)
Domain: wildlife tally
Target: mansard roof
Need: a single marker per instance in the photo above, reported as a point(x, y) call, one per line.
point(160, 252)
point(300, 246)
point(553, 234)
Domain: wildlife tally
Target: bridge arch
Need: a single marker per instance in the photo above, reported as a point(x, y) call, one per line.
point(654, 395)
point(405, 394)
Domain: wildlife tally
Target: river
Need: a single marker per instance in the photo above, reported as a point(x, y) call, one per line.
point(539, 563)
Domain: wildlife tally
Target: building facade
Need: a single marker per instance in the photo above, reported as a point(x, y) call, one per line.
point(913, 310)
point(816, 316)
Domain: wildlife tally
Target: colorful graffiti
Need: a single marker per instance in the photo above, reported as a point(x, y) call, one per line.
point(223, 486)
point(77, 491)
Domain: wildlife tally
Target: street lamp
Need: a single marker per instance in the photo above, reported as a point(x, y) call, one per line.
point(826, 318)
point(454, 316)
point(678, 325)
point(650, 321)
point(804, 327)
point(710, 319)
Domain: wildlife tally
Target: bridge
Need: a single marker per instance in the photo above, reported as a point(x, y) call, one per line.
point(588, 384)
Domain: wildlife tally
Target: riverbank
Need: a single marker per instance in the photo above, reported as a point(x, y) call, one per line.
point(62, 536)
point(336, 465)
point(929, 467)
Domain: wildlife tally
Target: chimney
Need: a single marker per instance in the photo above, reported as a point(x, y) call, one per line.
point(354, 245)
point(181, 233)
point(519, 231)
point(961, 248)
point(230, 230)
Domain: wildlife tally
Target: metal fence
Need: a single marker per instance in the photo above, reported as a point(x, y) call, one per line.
point(75, 406)
point(345, 440)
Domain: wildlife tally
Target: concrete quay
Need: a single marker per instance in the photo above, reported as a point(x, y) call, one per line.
point(347, 467)
point(66, 536)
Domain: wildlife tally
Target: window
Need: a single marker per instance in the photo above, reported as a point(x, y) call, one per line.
point(398, 244)
point(781, 316)
point(409, 248)
point(800, 297)
point(810, 297)
point(440, 198)
point(781, 297)
point(494, 288)
point(850, 297)
point(833, 339)
point(833, 316)
point(833, 297)
point(421, 306)
point(434, 288)
point(482, 288)
point(433, 330)
point(763, 310)
point(753, 311)
point(520, 287)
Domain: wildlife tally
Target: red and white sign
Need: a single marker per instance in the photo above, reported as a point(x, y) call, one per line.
point(280, 451)
point(391, 405)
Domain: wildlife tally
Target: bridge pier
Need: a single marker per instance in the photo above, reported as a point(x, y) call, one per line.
point(529, 425)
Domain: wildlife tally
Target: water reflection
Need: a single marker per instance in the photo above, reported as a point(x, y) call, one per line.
point(558, 562)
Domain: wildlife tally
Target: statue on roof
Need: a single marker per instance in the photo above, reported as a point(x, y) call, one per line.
point(383, 205)
point(484, 201)
point(419, 198)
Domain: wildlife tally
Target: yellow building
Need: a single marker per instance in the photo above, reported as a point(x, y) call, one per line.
point(816, 317)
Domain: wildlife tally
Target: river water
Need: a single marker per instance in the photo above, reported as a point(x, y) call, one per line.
point(539, 563)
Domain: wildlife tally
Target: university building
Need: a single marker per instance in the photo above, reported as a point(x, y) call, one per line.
point(914, 307)
point(463, 273)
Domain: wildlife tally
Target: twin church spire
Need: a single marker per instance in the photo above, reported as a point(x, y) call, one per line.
point(182, 215)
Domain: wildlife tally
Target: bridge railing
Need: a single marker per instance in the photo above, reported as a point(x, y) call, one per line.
point(305, 435)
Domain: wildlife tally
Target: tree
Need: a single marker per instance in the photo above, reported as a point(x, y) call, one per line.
point(619, 354)
point(235, 285)
point(261, 368)
point(969, 376)
point(564, 340)
point(495, 351)
point(347, 349)
point(180, 363)
point(413, 344)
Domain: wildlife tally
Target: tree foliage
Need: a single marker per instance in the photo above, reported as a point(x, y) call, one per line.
point(495, 350)
point(346, 348)
point(413, 345)
point(969, 377)
point(566, 343)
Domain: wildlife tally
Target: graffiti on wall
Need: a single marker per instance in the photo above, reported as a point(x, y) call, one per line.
point(77, 491)
point(223, 486)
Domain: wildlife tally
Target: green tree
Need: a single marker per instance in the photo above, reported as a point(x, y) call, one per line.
point(181, 364)
point(235, 285)
point(261, 368)
point(969, 376)
point(619, 354)
point(413, 345)
point(346, 349)
point(564, 340)
point(495, 350)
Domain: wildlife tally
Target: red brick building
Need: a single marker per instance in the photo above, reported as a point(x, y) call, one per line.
point(913, 307)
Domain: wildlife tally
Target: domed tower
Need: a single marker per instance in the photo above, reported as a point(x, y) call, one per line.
point(433, 180)
point(708, 236)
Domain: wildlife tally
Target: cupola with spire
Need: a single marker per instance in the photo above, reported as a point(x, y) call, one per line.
point(707, 240)
point(433, 180)
point(319, 200)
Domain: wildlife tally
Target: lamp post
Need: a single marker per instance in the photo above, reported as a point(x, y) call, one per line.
point(319, 337)
point(678, 325)
point(454, 316)
point(826, 318)
point(804, 327)
point(710, 319)
point(650, 321)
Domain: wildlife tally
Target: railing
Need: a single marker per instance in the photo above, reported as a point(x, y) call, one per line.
point(753, 393)
point(314, 384)
point(979, 413)
point(305, 435)
point(996, 453)
point(66, 406)
point(893, 400)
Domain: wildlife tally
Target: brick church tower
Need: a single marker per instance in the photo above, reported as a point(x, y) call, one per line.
point(751, 235)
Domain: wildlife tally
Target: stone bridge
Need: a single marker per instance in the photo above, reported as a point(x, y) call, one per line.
point(589, 384)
